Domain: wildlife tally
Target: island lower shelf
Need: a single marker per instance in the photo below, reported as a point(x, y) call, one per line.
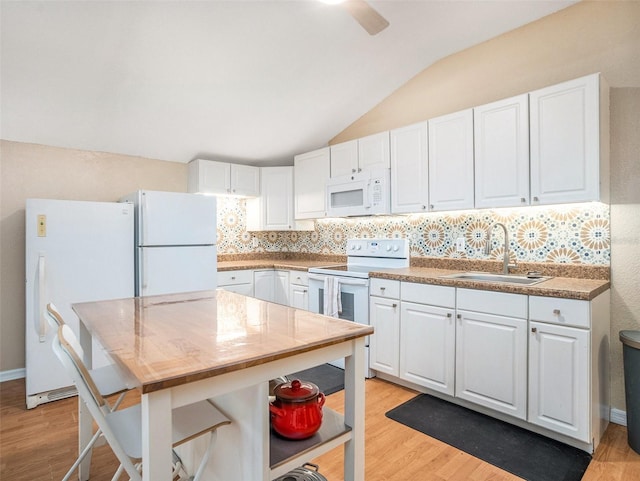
point(286, 454)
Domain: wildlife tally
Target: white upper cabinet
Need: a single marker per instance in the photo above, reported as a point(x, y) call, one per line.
point(567, 164)
point(273, 210)
point(451, 161)
point(409, 169)
point(344, 158)
point(366, 153)
point(501, 140)
point(311, 171)
point(223, 178)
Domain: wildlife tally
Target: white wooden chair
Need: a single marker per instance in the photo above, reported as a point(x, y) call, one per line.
point(108, 381)
point(122, 428)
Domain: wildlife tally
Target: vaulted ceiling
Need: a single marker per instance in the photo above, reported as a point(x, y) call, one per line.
point(245, 81)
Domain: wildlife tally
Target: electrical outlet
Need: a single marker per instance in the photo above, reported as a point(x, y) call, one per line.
point(460, 244)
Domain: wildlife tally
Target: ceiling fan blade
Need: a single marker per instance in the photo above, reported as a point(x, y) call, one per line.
point(366, 16)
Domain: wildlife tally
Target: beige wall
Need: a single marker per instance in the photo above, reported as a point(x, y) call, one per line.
point(29, 170)
point(585, 38)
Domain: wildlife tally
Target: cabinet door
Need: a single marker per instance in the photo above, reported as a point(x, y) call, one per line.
point(384, 344)
point(451, 161)
point(559, 379)
point(501, 149)
point(491, 362)
point(209, 177)
point(311, 170)
point(263, 285)
point(565, 142)
point(281, 287)
point(427, 346)
point(344, 158)
point(245, 180)
point(409, 169)
point(373, 152)
point(277, 198)
point(299, 297)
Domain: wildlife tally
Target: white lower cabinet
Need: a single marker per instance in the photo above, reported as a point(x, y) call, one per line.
point(384, 316)
point(271, 285)
point(299, 290)
point(491, 350)
point(263, 284)
point(428, 336)
point(559, 379)
point(491, 362)
point(569, 366)
point(240, 281)
point(542, 361)
point(428, 341)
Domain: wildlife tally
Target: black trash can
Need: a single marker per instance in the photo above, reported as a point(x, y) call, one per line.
point(631, 360)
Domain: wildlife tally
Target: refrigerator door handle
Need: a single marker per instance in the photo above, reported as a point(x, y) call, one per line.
point(41, 323)
point(142, 221)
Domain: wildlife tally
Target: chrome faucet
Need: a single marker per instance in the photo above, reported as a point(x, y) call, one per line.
point(487, 247)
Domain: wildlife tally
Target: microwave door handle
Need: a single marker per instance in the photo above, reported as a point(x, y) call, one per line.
point(367, 195)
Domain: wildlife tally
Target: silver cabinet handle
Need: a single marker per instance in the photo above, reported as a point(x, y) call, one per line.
point(431, 206)
point(424, 207)
point(523, 200)
point(304, 290)
point(382, 288)
point(459, 316)
point(449, 315)
point(353, 171)
point(394, 305)
point(535, 199)
point(233, 278)
point(556, 312)
point(534, 329)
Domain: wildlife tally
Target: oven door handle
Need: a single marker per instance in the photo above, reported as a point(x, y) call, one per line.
point(345, 281)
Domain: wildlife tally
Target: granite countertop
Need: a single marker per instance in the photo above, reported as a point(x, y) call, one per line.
point(291, 264)
point(567, 281)
point(564, 287)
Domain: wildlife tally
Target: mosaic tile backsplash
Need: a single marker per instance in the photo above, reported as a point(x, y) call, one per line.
point(567, 234)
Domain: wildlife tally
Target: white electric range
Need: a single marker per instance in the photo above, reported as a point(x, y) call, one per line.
point(363, 256)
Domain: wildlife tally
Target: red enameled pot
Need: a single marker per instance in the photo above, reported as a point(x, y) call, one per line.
point(296, 412)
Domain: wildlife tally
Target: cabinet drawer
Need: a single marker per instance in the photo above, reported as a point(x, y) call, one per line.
point(229, 278)
point(565, 312)
point(490, 302)
point(385, 288)
point(429, 294)
point(300, 278)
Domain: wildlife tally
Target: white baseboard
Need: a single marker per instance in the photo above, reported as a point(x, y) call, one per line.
point(618, 416)
point(12, 374)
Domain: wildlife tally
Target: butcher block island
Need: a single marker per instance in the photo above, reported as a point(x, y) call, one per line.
point(181, 348)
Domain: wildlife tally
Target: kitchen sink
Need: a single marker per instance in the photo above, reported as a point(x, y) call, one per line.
point(504, 278)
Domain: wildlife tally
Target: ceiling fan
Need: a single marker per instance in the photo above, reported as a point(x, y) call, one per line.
point(364, 14)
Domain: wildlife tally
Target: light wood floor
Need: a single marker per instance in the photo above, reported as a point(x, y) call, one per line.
point(40, 444)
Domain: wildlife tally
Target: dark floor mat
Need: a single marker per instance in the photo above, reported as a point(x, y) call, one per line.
point(516, 450)
point(328, 378)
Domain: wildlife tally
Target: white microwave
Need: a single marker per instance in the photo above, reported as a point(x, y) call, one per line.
point(364, 193)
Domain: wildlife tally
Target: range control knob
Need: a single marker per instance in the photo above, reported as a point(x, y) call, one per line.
point(388, 248)
point(358, 247)
point(395, 248)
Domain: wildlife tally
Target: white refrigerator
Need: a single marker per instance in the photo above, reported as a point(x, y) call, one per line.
point(75, 252)
point(175, 239)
